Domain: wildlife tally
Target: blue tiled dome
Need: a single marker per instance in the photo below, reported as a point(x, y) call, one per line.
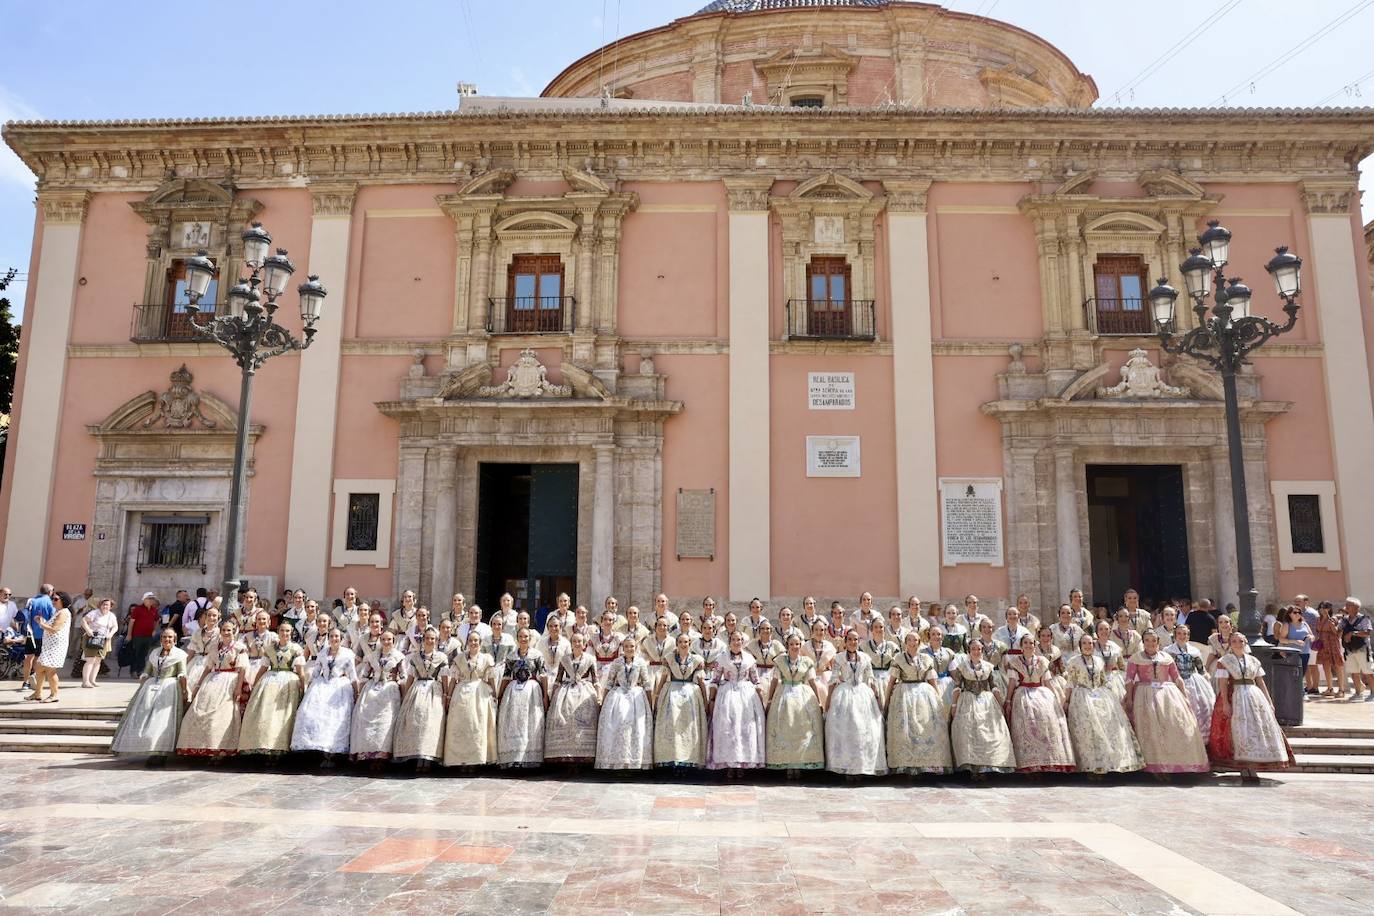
point(753, 6)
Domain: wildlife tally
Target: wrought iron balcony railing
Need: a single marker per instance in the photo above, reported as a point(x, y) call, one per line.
point(530, 314)
point(1119, 316)
point(160, 323)
point(831, 319)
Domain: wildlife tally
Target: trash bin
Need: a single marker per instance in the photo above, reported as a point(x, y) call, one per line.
point(1283, 673)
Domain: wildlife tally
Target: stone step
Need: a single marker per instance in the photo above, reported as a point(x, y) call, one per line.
point(1318, 731)
point(59, 711)
point(56, 744)
point(28, 726)
point(1333, 763)
point(1354, 747)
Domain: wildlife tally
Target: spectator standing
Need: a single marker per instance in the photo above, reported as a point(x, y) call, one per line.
point(1356, 634)
point(173, 613)
point(98, 627)
point(57, 631)
point(1310, 615)
point(1330, 653)
point(190, 618)
point(8, 609)
point(141, 631)
point(38, 607)
point(1201, 621)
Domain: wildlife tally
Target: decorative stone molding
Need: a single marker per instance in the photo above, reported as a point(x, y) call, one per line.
point(63, 206)
point(1329, 196)
point(526, 378)
point(1141, 378)
point(328, 200)
point(1011, 89)
point(907, 196)
point(179, 406)
point(748, 195)
point(803, 73)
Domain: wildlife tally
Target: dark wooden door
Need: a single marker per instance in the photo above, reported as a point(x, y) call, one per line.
point(828, 297)
point(1120, 295)
point(175, 321)
point(534, 296)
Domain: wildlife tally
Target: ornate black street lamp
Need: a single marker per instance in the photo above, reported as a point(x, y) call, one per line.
point(247, 331)
point(1223, 339)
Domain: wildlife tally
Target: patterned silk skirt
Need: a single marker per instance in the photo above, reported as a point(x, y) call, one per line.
point(737, 728)
point(979, 736)
point(1167, 730)
point(1250, 737)
point(374, 721)
point(470, 733)
point(1102, 738)
point(271, 714)
point(854, 741)
point(680, 727)
point(211, 726)
point(149, 725)
point(625, 734)
point(796, 729)
point(520, 725)
point(420, 726)
point(570, 728)
point(324, 721)
point(918, 730)
point(1039, 732)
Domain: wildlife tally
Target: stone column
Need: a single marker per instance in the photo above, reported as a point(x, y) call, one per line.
point(750, 551)
point(407, 530)
point(1224, 528)
point(38, 404)
point(1066, 520)
point(603, 526)
point(1338, 309)
point(913, 390)
point(317, 396)
point(445, 526)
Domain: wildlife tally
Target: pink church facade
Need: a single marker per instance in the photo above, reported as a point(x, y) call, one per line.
point(804, 303)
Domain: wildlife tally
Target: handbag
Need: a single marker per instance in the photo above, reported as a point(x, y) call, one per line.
point(95, 642)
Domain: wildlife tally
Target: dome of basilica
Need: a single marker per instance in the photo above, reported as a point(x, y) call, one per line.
point(831, 54)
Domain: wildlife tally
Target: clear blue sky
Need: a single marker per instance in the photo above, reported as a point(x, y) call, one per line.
point(85, 59)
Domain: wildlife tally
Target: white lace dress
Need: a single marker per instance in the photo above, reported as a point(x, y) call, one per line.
point(470, 731)
point(1255, 739)
point(324, 721)
point(374, 716)
point(420, 725)
point(737, 736)
point(570, 728)
point(917, 718)
point(855, 739)
point(520, 719)
point(1201, 696)
point(625, 732)
point(149, 725)
point(1102, 738)
point(979, 735)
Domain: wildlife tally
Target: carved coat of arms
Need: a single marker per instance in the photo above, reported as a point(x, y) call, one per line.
point(526, 378)
point(179, 406)
point(1141, 378)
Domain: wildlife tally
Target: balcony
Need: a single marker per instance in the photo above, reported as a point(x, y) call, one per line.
point(158, 323)
point(831, 319)
point(1119, 316)
point(530, 314)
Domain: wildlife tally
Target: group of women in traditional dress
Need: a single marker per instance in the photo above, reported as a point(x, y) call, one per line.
point(858, 695)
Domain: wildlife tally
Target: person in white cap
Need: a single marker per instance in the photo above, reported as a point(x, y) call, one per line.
point(142, 629)
point(1357, 638)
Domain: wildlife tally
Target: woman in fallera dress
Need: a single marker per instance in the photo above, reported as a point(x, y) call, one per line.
point(275, 698)
point(1164, 723)
point(1102, 738)
point(1245, 733)
point(917, 717)
point(625, 733)
point(979, 735)
point(201, 648)
point(210, 727)
point(1201, 696)
point(680, 714)
point(149, 725)
point(521, 706)
point(1047, 650)
point(1039, 732)
point(796, 721)
point(255, 644)
point(956, 634)
point(654, 649)
point(880, 652)
point(420, 725)
point(324, 721)
point(765, 648)
point(854, 738)
point(1220, 641)
point(470, 730)
point(605, 644)
point(941, 659)
point(575, 707)
point(1112, 658)
point(379, 702)
point(737, 737)
point(821, 651)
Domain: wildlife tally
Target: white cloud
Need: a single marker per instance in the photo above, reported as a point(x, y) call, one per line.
point(12, 168)
point(521, 85)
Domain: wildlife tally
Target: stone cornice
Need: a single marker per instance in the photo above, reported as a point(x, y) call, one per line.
point(703, 143)
point(333, 198)
point(1333, 195)
point(63, 206)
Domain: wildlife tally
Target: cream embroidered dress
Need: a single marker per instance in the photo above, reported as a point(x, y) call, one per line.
point(737, 733)
point(374, 716)
point(200, 652)
point(272, 706)
point(917, 718)
point(880, 655)
point(1250, 737)
point(1102, 738)
point(1164, 723)
point(420, 725)
point(766, 660)
point(210, 727)
point(680, 718)
point(979, 735)
point(470, 732)
point(520, 719)
point(149, 725)
point(855, 744)
point(324, 721)
point(1201, 696)
point(796, 723)
point(942, 659)
point(1113, 663)
point(1039, 732)
point(570, 728)
point(625, 732)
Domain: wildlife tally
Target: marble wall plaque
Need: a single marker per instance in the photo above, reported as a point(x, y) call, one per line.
point(971, 520)
point(829, 230)
point(832, 456)
point(696, 523)
point(830, 390)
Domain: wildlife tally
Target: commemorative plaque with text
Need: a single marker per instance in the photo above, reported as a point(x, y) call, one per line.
point(696, 524)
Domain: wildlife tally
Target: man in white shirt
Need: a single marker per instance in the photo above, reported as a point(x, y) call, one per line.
point(200, 602)
point(8, 609)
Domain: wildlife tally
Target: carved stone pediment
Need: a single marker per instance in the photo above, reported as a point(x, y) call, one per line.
point(823, 72)
point(584, 182)
point(1141, 378)
point(180, 408)
point(492, 182)
point(1168, 183)
point(186, 198)
point(1008, 87)
point(831, 186)
point(1077, 183)
point(526, 378)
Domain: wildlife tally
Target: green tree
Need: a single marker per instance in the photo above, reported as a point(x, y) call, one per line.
point(9, 357)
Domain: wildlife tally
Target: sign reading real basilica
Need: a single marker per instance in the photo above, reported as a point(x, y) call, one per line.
point(790, 299)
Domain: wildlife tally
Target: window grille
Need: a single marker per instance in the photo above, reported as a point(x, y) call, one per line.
point(172, 542)
point(364, 512)
point(1305, 523)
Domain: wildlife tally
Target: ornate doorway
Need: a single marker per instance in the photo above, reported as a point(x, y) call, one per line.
point(1138, 532)
point(526, 534)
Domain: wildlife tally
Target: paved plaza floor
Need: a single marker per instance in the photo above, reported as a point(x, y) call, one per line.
point(89, 834)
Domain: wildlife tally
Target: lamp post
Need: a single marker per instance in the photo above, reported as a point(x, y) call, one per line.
point(250, 335)
point(1225, 335)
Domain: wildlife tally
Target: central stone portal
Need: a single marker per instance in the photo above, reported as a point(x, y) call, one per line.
point(526, 535)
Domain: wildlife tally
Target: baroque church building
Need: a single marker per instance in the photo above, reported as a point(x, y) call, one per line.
point(780, 298)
